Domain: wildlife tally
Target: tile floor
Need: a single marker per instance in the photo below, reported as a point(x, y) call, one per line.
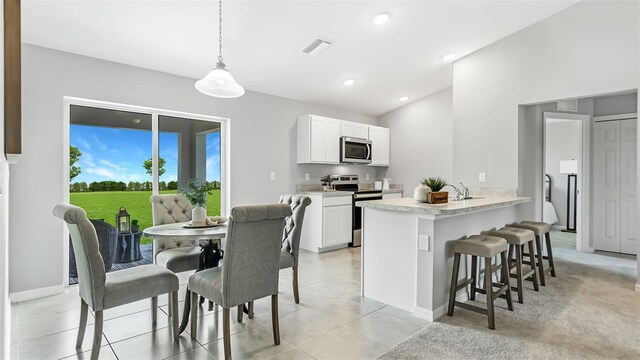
point(332, 321)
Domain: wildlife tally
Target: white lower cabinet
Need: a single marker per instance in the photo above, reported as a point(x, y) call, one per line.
point(327, 223)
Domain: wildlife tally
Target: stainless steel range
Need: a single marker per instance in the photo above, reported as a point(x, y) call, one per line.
point(350, 183)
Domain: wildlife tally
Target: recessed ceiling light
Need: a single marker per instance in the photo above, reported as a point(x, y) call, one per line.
point(449, 57)
point(403, 98)
point(381, 19)
point(349, 82)
point(137, 121)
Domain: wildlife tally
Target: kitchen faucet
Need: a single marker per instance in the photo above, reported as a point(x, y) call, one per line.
point(461, 194)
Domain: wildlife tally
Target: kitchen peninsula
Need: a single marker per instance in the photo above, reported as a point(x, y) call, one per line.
point(406, 251)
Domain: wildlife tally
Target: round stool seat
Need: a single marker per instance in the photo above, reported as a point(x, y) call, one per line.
point(539, 228)
point(480, 245)
point(514, 236)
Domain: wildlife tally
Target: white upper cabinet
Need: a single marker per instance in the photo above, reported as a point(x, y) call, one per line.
point(379, 137)
point(353, 129)
point(319, 140)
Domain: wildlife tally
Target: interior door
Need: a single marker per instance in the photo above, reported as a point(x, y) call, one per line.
point(606, 204)
point(628, 191)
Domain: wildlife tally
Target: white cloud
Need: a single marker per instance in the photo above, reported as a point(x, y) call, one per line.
point(101, 146)
point(83, 143)
point(86, 160)
point(101, 172)
point(111, 165)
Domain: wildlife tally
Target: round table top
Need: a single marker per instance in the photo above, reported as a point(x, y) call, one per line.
point(177, 230)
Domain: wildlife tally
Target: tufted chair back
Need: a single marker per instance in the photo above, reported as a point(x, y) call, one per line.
point(293, 225)
point(170, 209)
point(91, 274)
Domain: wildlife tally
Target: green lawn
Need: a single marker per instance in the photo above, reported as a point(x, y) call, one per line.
point(105, 205)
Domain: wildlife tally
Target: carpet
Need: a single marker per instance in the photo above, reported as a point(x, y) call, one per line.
point(590, 311)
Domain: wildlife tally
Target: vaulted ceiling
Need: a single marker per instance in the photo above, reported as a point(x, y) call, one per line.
point(263, 41)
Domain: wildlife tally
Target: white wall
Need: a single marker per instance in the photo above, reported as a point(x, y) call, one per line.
point(615, 104)
point(5, 304)
point(590, 48)
point(421, 140)
point(262, 140)
point(563, 142)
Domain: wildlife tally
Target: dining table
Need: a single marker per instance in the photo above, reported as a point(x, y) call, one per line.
point(185, 231)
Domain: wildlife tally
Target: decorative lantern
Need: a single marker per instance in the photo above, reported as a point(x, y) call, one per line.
point(123, 221)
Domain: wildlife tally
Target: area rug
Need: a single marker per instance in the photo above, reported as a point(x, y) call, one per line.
point(590, 311)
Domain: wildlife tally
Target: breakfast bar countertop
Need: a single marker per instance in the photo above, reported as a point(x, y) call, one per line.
point(453, 207)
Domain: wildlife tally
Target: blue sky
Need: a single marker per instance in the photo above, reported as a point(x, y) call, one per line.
point(118, 154)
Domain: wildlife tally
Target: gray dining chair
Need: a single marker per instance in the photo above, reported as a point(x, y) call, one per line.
point(291, 236)
point(100, 290)
point(177, 254)
point(250, 270)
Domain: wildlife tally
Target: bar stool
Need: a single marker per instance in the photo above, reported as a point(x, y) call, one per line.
point(540, 229)
point(485, 247)
point(517, 239)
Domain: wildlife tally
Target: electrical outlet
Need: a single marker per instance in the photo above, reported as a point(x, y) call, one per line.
point(424, 242)
point(482, 177)
point(306, 177)
point(367, 176)
point(273, 176)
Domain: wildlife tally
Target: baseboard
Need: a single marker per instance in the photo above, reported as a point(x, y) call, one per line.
point(433, 315)
point(637, 287)
point(36, 293)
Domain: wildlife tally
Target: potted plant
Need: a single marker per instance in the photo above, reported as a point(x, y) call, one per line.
point(135, 227)
point(436, 196)
point(196, 194)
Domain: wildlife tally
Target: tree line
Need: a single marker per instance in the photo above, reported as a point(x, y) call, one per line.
point(130, 186)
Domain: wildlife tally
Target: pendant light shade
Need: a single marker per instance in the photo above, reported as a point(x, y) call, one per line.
point(220, 83)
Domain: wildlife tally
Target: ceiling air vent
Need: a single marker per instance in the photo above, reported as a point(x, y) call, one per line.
point(316, 47)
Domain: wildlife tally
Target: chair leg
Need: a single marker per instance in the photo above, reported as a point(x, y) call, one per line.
point(519, 273)
point(474, 276)
point(540, 262)
point(226, 330)
point(174, 320)
point(296, 294)
point(194, 315)
point(552, 265)
point(489, 288)
point(250, 310)
point(169, 304)
point(97, 336)
point(84, 310)
point(454, 283)
point(275, 319)
point(534, 277)
point(505, 276)
point(154, 310)
point(240, 312)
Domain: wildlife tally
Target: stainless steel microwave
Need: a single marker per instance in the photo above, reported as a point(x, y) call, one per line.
point(355, 150)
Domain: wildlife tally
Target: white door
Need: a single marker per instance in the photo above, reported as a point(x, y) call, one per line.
point(606, 189)
point(332, 140)
point(628, 190)
point(383, 147)
point(318, 142)
point(348, 129)
point(330, 226)
point(362, 131)
point(345, 230)
point(374, 136)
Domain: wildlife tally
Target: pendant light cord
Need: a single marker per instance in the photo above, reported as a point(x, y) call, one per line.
point(220, 31)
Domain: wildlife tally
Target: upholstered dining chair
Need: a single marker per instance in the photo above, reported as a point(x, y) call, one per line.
point(251, 266)
point(291, 236)
point(177, 255)
point(100, 290)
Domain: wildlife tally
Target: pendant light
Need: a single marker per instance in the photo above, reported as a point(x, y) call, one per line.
point(219, 82)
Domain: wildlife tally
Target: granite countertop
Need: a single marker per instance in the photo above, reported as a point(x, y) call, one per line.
point(450, 208)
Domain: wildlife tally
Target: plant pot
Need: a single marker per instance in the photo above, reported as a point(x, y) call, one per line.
point(135, 228)
point(420, 193)
point(199, 216)
point(440, 197)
